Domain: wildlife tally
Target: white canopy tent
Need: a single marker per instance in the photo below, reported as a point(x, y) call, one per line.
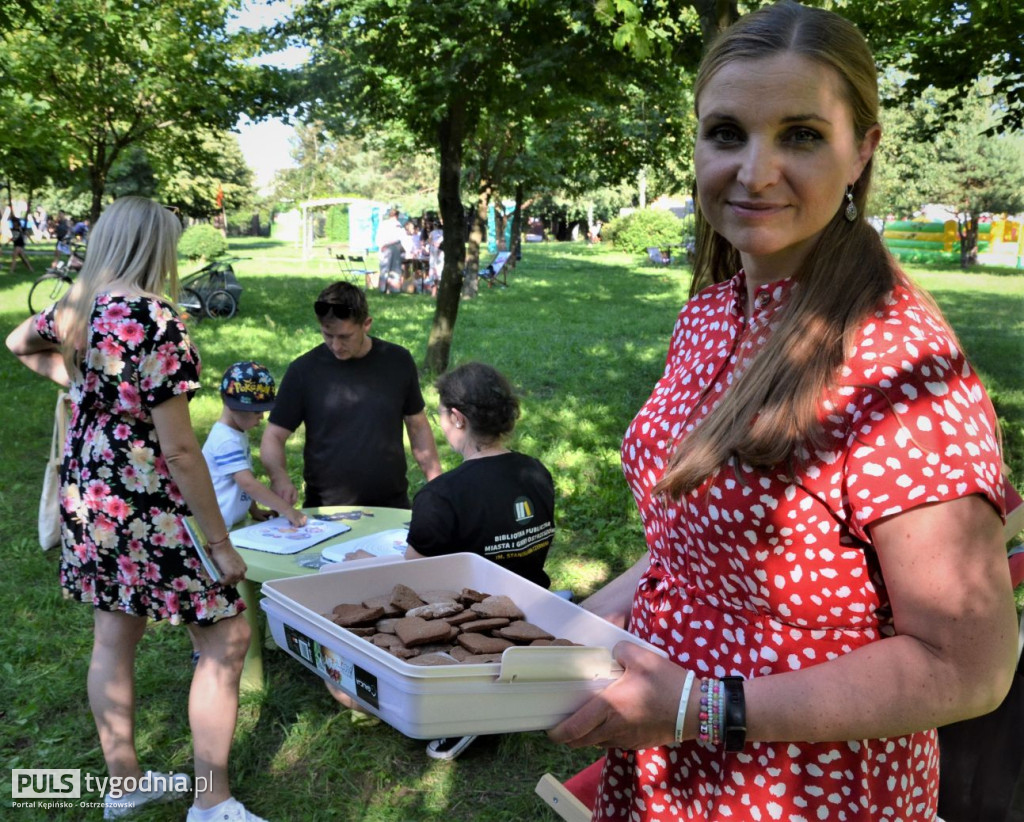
point(363, 218)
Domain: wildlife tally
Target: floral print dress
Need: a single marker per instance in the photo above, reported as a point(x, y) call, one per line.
point(124, 546)
point(757, 572)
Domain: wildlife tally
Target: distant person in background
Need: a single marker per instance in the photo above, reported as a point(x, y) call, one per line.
point(18, 232)
point(42, 225)
point(435, 241)
point(414, 258)
point(62, 234)
point(389, 255)
point(80, 230)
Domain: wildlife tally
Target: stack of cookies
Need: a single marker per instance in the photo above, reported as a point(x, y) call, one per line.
point(441, 627)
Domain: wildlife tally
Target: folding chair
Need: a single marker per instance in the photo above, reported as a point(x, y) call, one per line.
point(496, 268)
point(358, 268)
point(573, 800)
point(659, 258)
point(343, 263)
point(977, 778)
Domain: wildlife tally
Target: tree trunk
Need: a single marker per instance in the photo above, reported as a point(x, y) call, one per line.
point(517, 226)
point(477, 237)
point(715, 16)
point(967, 228)
point(451, 133)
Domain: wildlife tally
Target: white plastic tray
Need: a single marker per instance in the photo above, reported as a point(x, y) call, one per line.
point(531, 689)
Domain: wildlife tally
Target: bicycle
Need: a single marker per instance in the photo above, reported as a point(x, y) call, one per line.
point(213, 291)
point(56, 280)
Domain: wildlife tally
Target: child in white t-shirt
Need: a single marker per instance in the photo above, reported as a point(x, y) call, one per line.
point(247, 391)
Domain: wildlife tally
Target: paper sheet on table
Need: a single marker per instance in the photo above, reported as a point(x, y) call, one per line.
point(381, 544)
point(278, 536)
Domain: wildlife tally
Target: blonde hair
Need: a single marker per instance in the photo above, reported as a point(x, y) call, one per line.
point(772, 407)
point(133, 247)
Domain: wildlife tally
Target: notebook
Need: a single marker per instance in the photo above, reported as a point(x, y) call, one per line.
point(199, 546)
point(278, 536)
point(381, 544)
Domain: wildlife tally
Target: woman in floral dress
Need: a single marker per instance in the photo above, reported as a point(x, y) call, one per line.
point(131, 469)
point(819, 478)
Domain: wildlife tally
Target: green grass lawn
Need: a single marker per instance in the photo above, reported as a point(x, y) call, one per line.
point(582, 332)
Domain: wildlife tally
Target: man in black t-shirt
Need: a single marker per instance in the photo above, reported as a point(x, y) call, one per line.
point(354, 393)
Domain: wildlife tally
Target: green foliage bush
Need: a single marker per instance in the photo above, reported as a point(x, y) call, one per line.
point(202, 242)
point(337, 224)
point(636, 232)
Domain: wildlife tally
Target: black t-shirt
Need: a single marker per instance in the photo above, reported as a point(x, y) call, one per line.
point(502, 508)
point(354, 414)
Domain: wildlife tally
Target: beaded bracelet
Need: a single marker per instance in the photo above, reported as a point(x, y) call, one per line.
point(225, 538)
point(710, 713)
point(684, 700)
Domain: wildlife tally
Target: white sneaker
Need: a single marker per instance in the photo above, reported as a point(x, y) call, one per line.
point(230, 810)
point(165, 787)
point(448, 747)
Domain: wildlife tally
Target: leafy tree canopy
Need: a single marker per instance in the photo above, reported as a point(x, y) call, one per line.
point(950, 45)
point(106, 76)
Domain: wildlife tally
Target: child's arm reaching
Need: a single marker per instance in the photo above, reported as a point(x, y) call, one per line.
point(264, 496)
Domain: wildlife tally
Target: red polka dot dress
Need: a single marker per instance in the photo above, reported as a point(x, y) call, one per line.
point(753, 573)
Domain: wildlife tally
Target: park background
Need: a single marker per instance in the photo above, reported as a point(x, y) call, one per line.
point(572, 110)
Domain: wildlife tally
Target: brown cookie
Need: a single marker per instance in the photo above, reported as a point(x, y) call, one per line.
point(522, 633)
point(382, 640)
point(479, 659)
point(443, 647)
point(468, 596)
point(459, 653)
point(387, 625)
point(480, 644)
point(498, 606)
point(434, 659)
point(462, 618)
point(483, 626)
point(383, 601)
point(404, 598)
point(349, 614)
point(439, 596)
point(435, 610)
point(415, 631)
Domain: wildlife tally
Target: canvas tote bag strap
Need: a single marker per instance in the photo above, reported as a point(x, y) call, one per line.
point(60, 427)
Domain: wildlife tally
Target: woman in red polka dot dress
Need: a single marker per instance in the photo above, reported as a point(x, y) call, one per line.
point(819, 478)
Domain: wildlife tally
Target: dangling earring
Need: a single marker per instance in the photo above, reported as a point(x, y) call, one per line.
point(851, 209)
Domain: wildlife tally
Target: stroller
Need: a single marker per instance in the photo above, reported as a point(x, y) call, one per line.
point(212, 291)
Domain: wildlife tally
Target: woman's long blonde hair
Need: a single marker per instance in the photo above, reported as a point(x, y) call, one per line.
point(773, 406)
point(132, 248)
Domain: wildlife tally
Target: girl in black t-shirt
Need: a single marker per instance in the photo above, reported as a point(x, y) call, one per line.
point(497, 503)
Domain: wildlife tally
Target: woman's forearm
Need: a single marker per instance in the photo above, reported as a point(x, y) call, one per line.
point(614, 602)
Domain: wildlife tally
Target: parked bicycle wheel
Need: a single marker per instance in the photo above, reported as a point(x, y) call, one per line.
point(47, 290)
point(220, 305)
point(191, 305)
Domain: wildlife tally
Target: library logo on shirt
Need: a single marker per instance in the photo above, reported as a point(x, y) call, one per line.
point(524, 510)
